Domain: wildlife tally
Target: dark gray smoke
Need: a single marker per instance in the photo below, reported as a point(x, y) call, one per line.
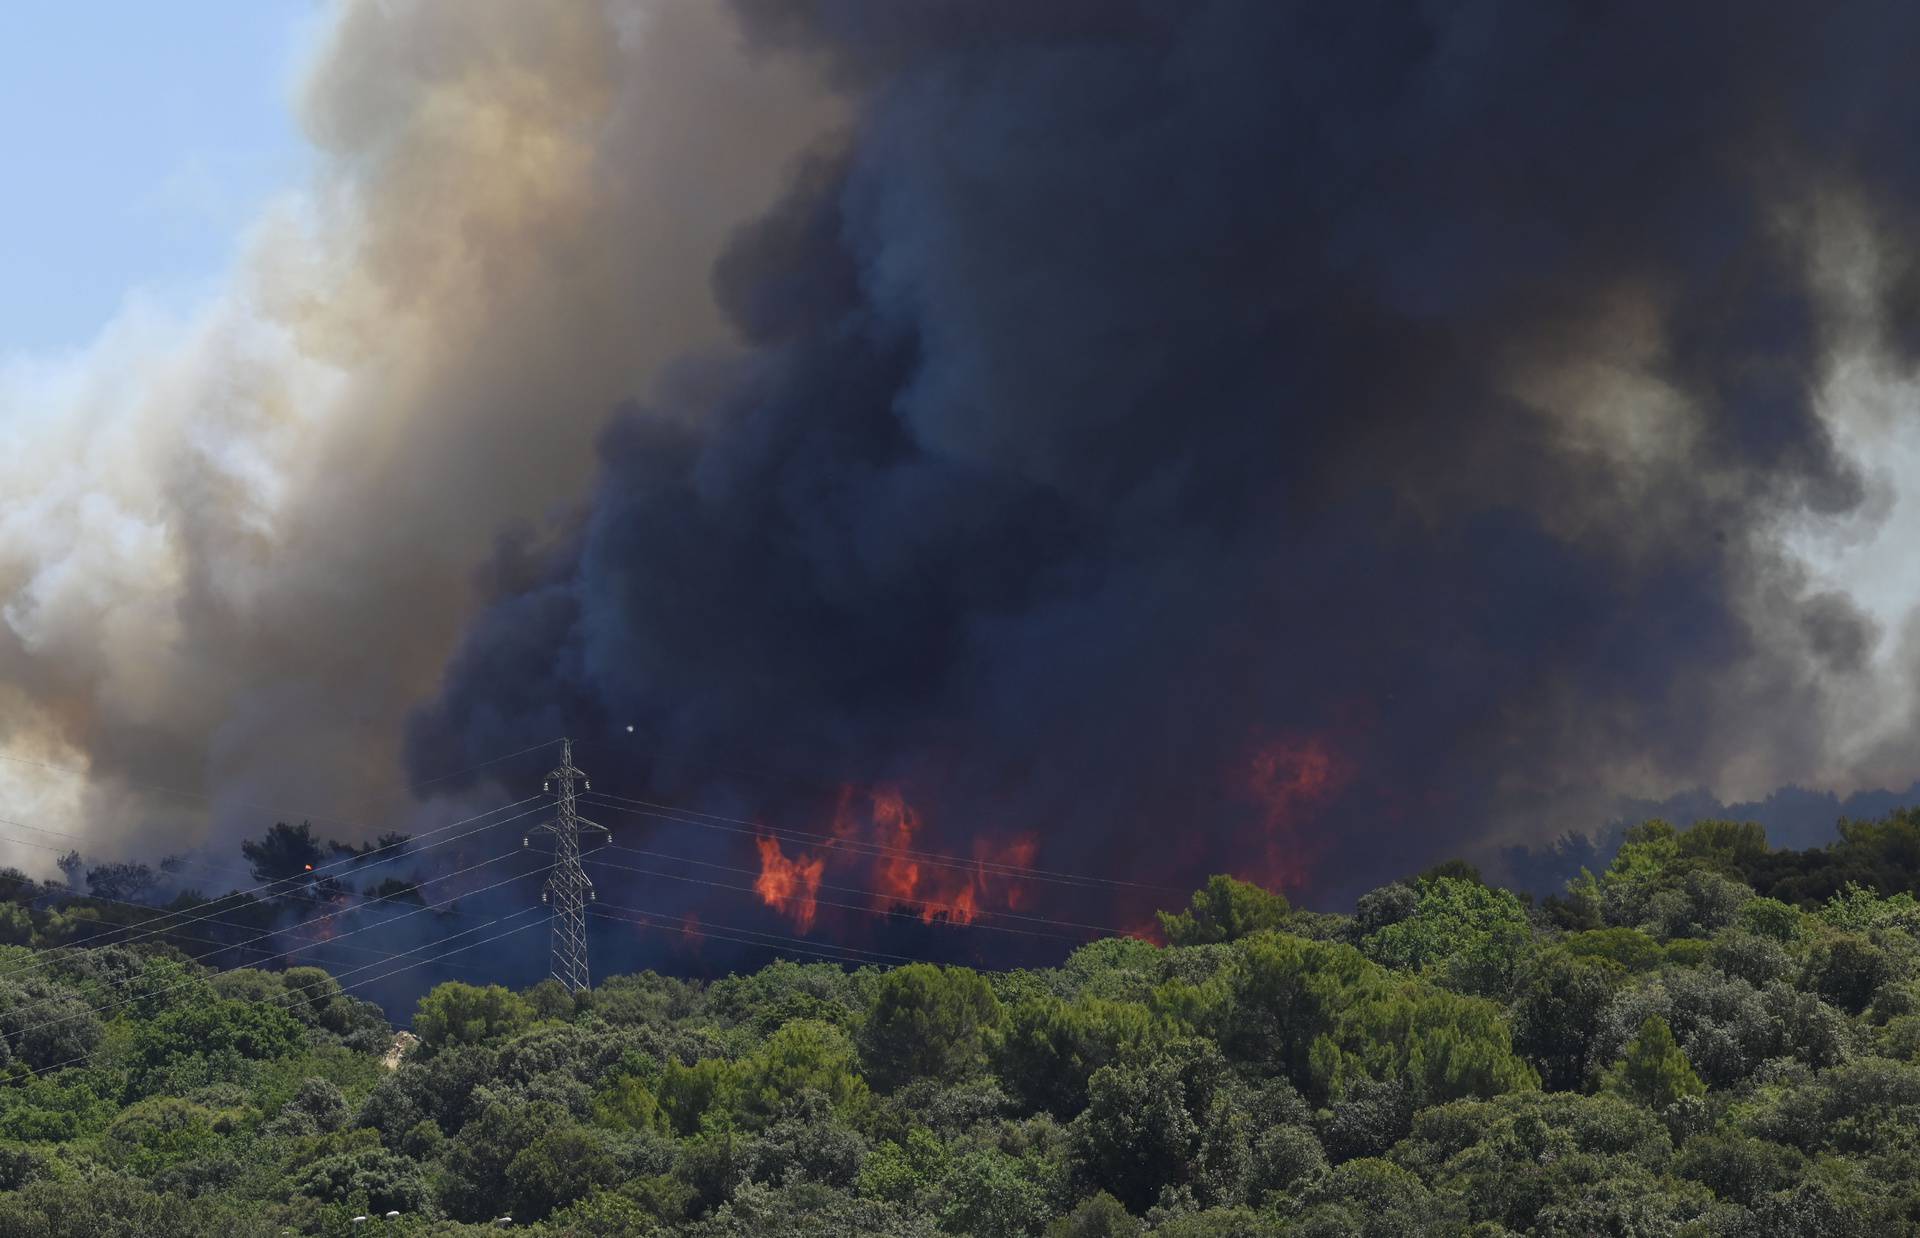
point(1300, 440)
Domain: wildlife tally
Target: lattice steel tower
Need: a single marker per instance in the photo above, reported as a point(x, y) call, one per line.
point(568, 889)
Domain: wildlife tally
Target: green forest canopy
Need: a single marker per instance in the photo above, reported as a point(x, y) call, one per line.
point(1706, 1038)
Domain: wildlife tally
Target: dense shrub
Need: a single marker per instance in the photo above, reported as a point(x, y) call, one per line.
point(1669, 1049)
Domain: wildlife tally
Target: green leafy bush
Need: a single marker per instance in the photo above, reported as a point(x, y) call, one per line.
point(1672, 1049)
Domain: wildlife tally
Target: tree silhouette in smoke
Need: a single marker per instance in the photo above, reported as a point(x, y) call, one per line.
point(283, 852)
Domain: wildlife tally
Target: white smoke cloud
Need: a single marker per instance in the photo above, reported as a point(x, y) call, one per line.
point(235, 543)
point(1869, 395)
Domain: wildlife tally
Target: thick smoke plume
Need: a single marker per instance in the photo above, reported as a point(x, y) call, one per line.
point(1133, 437)
point(1306, 441)
point(235, 550)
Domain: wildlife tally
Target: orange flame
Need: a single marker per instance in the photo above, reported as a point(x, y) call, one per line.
point(789, 886)
point(942, 889)
point(1019, 854)
point(1287, 777)
point(932, 888)
point(845, 822)
point(894, 824)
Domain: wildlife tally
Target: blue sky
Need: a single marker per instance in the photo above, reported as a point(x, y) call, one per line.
point(139, 139)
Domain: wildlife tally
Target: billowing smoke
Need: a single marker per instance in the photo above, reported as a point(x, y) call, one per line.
point(1306, 441)
point(1139, 437)
point(235, 550)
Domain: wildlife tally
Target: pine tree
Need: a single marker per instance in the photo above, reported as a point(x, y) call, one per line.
point(1654, 1069)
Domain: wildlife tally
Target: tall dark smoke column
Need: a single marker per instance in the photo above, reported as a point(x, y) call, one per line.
point(1298, 440)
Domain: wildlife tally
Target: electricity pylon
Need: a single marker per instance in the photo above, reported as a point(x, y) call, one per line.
point(568, 889)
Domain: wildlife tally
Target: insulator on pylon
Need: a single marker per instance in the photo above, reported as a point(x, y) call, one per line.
point(543, 896)
point(591, 896)
point(589, 783)
point(525, 841)
point(546, 786)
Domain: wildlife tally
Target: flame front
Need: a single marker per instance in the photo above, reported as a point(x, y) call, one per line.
point(1018, 854)
point(1287, 777)
point(894, 824)
point(789, 886)
point(941, 888)
point(897, 874)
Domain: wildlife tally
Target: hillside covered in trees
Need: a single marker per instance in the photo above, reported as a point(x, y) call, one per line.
point(1706, 1038)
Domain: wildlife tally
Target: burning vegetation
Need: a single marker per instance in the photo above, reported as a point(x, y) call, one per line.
point(871, 846)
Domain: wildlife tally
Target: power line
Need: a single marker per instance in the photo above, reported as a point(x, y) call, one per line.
point(47, 961)
point(351, 932)
point(72, 893)
point(772, 938)
point(91, 1054)
point(545, 743)
point(390, 957)
point(55, 892)
point(883, 913)
point(831, 954)
point(173, 933)
point(241, 893)
point(929, 904)
point(716, 821)
point(816, 784)
point(753, 936)
point(441, 960)
point(285, 953)
point(568, 889)
point(653, 919)
point(166, 867)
